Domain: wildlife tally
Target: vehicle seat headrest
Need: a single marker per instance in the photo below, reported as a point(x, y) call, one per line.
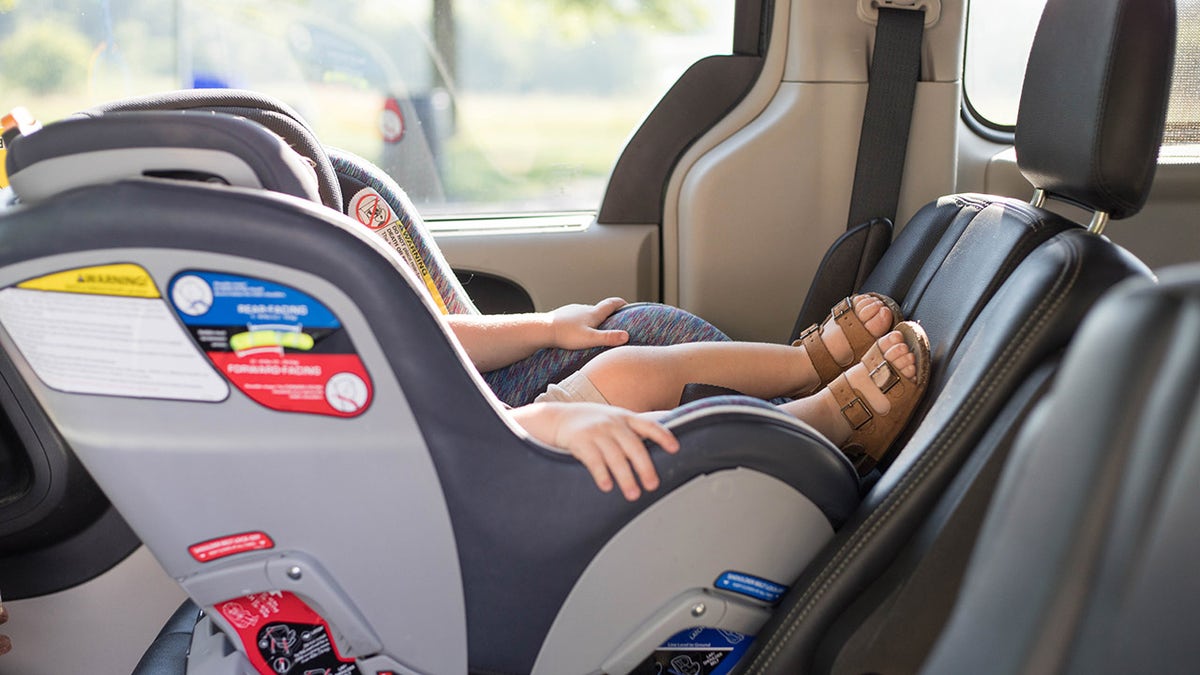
point(207, 147)
point(1094, 101)
point(272, 113)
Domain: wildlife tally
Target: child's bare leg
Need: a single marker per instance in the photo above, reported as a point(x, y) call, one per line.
point(652, 378)
point(821, 410)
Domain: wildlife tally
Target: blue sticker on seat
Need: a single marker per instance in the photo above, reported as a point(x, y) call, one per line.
point(697, 651)
point(752, 586)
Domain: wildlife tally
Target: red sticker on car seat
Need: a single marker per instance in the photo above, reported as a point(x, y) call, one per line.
point(370, 209)
point(214, 549)
point(281, 634)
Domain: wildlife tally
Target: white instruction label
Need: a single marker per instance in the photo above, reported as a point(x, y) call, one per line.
point(103, 344)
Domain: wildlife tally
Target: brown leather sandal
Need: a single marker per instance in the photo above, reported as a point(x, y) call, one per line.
point(872, 433)
point(860, 339)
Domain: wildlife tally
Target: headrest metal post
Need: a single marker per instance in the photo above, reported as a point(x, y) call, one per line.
point(1039, 198)
point(1099, 221)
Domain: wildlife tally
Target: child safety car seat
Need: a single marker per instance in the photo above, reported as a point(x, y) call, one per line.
point(354, 185)
point(269, 359)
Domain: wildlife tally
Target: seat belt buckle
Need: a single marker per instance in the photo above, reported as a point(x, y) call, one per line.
point(868, 10)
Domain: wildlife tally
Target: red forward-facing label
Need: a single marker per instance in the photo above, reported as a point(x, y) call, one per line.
point(214, 549)
point(282, 635)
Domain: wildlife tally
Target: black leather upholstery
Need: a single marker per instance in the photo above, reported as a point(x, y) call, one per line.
point(1093, 102)
point(1087, 560)
point(1000, 286)
point(993, 316)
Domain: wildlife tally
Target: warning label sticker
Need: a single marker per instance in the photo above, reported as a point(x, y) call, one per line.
point(281, 634)
point(123, 344)
point(277, 345)
point(214, 549)
point(748, 584)
point(368, 206)
point(122, 279)
point(3, 165)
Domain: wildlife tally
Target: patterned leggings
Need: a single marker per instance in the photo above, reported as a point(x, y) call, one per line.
point(647, 324)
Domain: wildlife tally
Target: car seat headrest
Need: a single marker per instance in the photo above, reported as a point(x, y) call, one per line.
point(1094, 101)
point(267, 111)
point(195, 146)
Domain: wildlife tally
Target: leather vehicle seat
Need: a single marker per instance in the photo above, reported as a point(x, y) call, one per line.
point(1086, 562)
point(1000, 286)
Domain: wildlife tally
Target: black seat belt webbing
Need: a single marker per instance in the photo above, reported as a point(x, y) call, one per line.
point(883, 143)
point(887, 116)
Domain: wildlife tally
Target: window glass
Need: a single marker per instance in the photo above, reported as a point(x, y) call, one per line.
point(1183, 120)
point(474, 106)
point(999, 35)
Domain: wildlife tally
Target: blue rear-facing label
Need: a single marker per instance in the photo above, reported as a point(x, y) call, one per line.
point(750, 585)
point(697, 651)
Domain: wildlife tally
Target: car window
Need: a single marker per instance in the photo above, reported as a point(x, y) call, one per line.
point(999, 35)
point(474, 107)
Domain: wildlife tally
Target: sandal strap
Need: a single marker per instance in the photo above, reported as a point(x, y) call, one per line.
point(881, 371)
point(860, 339)
point(852, 405)
point(818, 354)
point(826, 367)
point(857, 336)
point(858, 413)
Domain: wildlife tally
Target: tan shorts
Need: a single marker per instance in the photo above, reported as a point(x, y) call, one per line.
point(575, 388)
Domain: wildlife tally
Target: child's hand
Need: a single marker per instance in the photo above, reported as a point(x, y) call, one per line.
point(606, 439)
point(575, 325)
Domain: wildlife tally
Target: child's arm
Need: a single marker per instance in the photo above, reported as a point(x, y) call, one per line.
point(607, 440)
point(497, 340)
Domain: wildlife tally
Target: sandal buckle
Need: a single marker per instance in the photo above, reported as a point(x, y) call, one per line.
point(843, 307)
point(885, 380)
point(857, 413)
point(815, 328)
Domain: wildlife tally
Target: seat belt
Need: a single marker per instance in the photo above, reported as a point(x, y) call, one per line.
point(882, 145)
point(887, 116)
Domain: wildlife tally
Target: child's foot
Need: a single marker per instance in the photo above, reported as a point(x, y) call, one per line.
point(863, 410)
point(837, 343)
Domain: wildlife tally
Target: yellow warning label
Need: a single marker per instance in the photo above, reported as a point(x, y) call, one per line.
point(124, 279)
point(422, 269)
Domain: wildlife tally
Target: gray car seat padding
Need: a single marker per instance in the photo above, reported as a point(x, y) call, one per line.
point(1086, 562)
point(197, 146)
point(267, 111)
point(547, 534)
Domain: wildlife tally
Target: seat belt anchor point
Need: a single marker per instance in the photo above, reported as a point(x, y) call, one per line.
point(868, 10)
